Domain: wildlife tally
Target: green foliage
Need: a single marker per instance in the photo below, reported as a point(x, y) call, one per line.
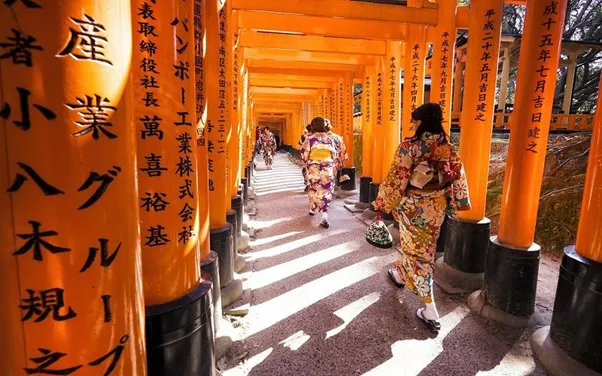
point(561, 192)
point(358, 154)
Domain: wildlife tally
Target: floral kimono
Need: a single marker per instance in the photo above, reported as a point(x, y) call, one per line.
point(342, 155)
point(268, 145)
point(420, 212)
point(319, 153)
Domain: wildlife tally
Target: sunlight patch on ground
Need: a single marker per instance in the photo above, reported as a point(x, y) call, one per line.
point(291, 246)
point(276, 273)
point(262, 225)
point(415, 355)
point(295, 341)
point(264, 241)
point(292, 189)
point(351, 311)
point(514, 361)
point(246, 367)
point(279, 308)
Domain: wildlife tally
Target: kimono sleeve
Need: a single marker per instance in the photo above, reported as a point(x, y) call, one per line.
point(305, 150)
point(393, 187)
point(460, 194)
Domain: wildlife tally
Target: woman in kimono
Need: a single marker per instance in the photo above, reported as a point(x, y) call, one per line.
point(319, 153)
point(268, 145)
point(425, 181)
point(342, 155)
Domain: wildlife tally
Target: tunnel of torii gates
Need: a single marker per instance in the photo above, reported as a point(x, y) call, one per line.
point(128, 131)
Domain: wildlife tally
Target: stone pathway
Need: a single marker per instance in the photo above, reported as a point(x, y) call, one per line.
point(320, 302)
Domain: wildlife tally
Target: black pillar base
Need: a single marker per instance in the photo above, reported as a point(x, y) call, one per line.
point(238, 207)
point(576, 326)
point(466, 244)
point(554, 359)
point(210, 266)
point(179, 335)
point(232, 219)
point(365, 189)
point(245, 190)
point(509, 286)
point(348, 185)
point(373, 194)
point(221, 242)
point(441, 238)
point(510, 281)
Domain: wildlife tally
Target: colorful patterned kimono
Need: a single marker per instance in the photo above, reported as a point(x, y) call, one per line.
point(420, 212)
point(268, 145)
point(319, 153)
point(342, 155)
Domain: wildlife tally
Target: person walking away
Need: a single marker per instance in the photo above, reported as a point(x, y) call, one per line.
point(342, 155)
point(268, 146)
point(258, 134)
point(277, 140)
point(319, 153)
point(425, 181)
point(306, 133)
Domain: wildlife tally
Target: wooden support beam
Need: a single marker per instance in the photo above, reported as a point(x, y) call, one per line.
point(271, 104)
point(333, 27)
point(290, 74)
point(310, 43)
point(283, 90)
point(290, 83)
point(292, 77)
point(302, 65)
point(274, 110)
point(284, 98)
point(344, 9)
point(309, 57)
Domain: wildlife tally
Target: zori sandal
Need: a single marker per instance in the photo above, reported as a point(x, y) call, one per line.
point(433, 325)
point(394, 279)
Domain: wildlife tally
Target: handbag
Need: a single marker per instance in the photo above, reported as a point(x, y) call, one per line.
point(378, 235)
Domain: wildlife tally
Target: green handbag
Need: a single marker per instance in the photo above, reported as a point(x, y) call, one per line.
point(378, 234)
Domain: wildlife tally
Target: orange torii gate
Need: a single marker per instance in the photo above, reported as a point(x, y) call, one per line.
point(127, 153)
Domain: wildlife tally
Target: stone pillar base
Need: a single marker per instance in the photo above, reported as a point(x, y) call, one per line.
point(454, 281)
point(554, 359)
point(223, 338)
point(362, 205)
point(232, 292)
point(479, 305)
point(369, 213)
point(243, 241)
point(239, 263)
point(179, 335)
